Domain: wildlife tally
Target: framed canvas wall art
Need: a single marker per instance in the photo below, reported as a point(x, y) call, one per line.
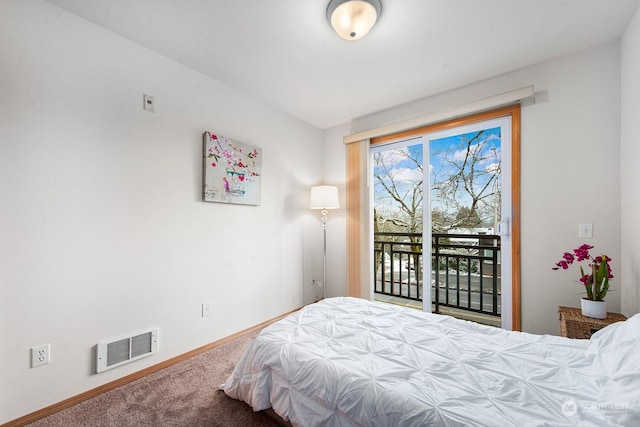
point(232, 171)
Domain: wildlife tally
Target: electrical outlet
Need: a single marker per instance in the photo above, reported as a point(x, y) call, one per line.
point(206, 309)
point(40, 355)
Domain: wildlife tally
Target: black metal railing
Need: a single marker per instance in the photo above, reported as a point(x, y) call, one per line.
point(465, 270)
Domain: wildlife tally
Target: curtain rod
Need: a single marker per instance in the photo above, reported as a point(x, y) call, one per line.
point(478, 106)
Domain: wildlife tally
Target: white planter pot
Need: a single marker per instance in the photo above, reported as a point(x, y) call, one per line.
point(594, 309)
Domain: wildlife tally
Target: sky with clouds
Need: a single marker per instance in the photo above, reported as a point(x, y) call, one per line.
point(406, 173)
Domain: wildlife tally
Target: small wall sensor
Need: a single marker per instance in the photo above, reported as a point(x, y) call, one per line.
point(148, 103)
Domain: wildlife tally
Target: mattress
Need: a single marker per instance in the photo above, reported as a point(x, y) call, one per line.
point(351, 362)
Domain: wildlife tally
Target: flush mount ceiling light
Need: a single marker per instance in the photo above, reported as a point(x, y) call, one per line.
point(352, 19)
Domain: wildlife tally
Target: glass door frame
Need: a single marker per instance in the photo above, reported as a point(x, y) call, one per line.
point(512, 111)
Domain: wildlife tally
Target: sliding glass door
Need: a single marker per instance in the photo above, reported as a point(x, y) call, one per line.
point(456, 209)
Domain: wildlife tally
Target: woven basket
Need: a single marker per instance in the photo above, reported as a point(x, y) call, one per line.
point(574, 325)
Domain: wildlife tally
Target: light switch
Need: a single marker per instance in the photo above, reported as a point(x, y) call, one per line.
point(585, 230)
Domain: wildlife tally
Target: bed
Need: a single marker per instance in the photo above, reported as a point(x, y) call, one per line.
point(351, 362)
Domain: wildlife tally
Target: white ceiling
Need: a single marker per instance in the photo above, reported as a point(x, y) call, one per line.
point(284, 53)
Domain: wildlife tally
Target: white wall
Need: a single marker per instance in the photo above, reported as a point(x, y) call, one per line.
point(570, 169)
point(102, 227)
point(630, 172)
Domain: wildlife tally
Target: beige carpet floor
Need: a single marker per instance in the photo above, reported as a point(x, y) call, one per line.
point(184, 394)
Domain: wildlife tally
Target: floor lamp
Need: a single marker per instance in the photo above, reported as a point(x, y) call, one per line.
point(324, 197)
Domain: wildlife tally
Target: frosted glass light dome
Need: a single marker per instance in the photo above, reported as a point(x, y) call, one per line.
point(352, 19)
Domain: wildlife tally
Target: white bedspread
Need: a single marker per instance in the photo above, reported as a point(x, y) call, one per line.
point(352, 362)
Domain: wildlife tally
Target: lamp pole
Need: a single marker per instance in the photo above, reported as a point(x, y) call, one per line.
point(324, 197)
point(324, 253)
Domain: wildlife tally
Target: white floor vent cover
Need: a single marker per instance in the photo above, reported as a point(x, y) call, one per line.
point(118, 351)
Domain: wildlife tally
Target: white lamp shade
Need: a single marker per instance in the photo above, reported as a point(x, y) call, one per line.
point(324, 197)
point(352, 19)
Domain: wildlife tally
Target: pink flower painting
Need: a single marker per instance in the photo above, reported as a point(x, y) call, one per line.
point(232, 171)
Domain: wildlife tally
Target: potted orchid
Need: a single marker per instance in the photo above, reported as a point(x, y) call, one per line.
point(595, 280)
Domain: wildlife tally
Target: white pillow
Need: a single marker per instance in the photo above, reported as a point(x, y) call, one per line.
point(615, 347)
point(614, 353)
point(629, 329)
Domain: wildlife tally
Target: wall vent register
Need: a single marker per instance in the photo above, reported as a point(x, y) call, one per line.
point(125, 349)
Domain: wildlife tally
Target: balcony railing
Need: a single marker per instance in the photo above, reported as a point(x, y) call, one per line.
point(465, 270)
